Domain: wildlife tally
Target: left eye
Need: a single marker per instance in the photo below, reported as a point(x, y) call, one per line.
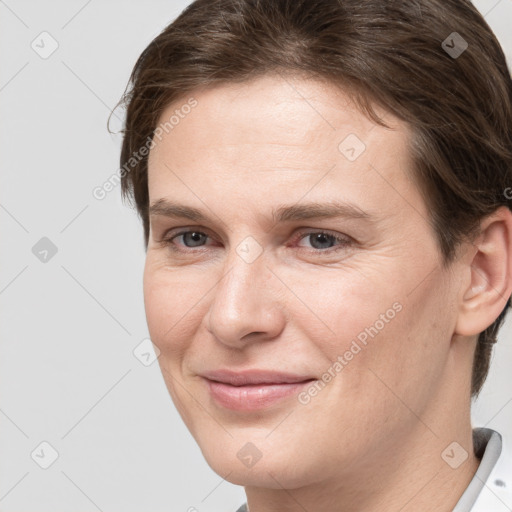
point(322, 241)
point(321, 238)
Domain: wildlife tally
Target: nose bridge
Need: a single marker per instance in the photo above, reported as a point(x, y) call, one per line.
point(246, 266)
point(242, 302)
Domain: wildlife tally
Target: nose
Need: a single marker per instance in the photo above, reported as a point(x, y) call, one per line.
point(245, 305)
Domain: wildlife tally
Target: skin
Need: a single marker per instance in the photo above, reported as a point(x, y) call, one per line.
point(373, 437)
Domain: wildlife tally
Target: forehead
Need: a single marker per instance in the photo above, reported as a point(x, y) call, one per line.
point(278, 135)
point(274, 109)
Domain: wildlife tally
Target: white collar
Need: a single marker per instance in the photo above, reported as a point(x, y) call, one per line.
point(490, 490)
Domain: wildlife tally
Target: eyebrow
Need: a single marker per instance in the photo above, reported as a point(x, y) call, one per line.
point(284, 213)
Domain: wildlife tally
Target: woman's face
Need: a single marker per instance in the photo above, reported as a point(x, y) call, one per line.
point(366, 309)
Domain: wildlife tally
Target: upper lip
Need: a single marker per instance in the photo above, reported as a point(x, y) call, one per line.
point(254, 376)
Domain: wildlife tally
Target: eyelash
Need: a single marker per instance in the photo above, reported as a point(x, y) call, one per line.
point(342, 240)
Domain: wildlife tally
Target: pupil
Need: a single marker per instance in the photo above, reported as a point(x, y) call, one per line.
point(320, 236)
point(195, 235)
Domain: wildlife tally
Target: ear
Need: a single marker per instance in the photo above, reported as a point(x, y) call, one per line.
point(489, 284)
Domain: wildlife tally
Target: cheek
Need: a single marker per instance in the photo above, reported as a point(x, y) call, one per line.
point(172, 319)
point(173, 309)
point(373, 322)
point(408, 357)
point(334, 307)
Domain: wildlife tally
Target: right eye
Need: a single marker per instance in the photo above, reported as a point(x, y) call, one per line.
point(192, 237)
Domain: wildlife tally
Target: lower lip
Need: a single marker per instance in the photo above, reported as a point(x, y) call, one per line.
point(253, 397)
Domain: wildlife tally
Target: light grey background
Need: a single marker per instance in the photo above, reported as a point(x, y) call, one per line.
point(69, 325)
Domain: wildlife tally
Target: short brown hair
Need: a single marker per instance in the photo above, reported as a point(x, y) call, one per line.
point(409, 57)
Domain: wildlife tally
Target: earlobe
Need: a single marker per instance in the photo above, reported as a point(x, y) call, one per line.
point(490, 275)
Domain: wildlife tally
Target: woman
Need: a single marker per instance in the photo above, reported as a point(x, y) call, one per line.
point(322, 187)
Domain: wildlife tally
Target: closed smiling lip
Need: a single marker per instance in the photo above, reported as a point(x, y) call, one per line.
point(254, 389)
point(254, 377)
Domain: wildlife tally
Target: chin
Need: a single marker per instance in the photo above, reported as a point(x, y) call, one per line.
point(267, 476)
point(239, 464)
